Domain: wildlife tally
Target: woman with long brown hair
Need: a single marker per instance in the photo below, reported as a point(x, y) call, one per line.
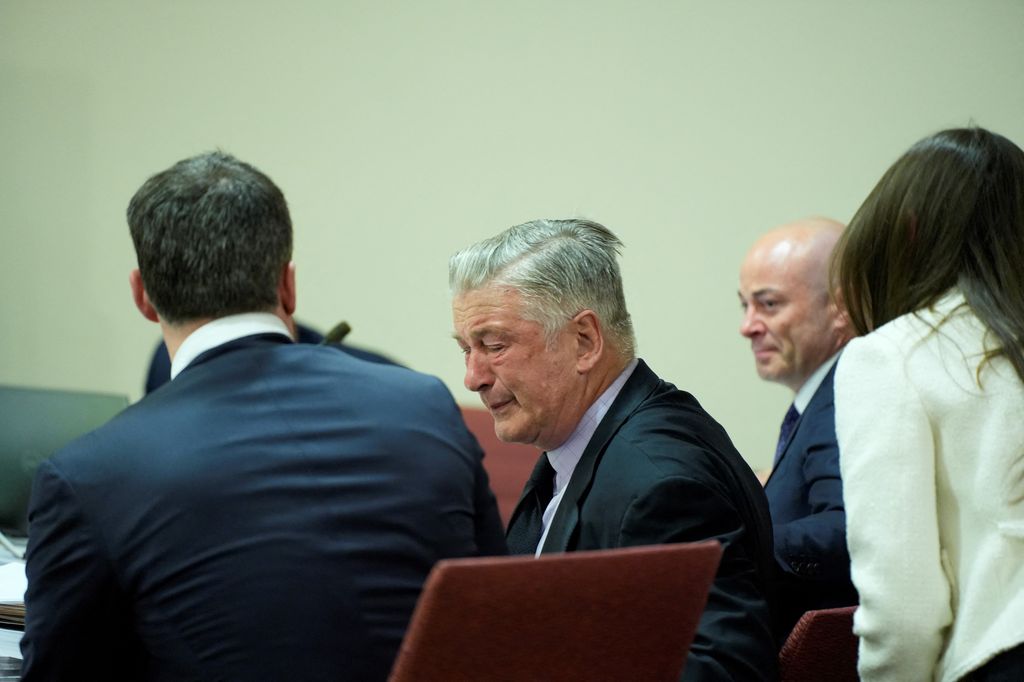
point(930, 411)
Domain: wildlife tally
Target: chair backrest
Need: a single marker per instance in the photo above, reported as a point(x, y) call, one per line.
point(508, 465)
point(617, 614)
point(821, 646)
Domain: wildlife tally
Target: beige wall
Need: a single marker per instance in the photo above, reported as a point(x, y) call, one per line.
point(402, 131)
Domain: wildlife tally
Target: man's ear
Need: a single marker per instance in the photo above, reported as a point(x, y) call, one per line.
point(841, 325)
point(140, 296)
point(589, 340)
point(286, 289)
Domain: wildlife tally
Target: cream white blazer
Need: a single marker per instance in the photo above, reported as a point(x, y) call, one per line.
point(933, 474)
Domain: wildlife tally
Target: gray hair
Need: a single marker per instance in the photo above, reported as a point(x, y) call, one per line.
point(559, 267)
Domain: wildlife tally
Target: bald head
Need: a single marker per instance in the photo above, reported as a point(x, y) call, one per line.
point(792, 324)
point(803, 247)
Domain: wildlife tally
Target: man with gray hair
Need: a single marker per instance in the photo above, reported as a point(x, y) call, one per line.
point(540, 315)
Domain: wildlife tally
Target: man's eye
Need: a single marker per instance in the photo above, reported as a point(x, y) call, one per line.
point(494, 347)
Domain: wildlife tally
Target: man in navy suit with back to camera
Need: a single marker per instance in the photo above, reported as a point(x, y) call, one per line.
point(273, 511)
point(629, 459)
point(796, 333)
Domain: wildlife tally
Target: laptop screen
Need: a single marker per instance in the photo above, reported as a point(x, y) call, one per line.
point(34, 424)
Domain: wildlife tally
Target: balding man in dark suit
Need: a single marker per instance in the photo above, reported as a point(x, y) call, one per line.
point(796, 333)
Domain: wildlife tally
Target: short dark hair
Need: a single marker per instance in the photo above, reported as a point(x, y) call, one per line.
point(212, 236)
point(949, 212)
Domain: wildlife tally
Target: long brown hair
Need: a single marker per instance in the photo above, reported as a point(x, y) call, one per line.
point(949, 212)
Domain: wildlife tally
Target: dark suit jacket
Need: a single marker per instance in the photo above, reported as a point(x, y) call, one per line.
point(805, 495)
point(271, 514)
point(659, 469)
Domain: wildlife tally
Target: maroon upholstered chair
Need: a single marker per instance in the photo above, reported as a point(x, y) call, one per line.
point(821, 646)
point(508, 465)
point(616, 614)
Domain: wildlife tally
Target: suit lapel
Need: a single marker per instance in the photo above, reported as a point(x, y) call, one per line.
point(564, 524)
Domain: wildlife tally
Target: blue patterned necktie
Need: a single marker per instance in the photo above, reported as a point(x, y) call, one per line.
point(785, 432)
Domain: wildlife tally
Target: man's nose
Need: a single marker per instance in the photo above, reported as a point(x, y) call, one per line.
point(478, 372)
point(750, 324)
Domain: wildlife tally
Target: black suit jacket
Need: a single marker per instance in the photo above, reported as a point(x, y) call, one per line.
point(659, 469)
point(271, 514)
point(805, 495)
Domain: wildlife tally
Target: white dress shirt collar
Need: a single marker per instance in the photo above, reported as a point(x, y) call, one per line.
point(222, 330)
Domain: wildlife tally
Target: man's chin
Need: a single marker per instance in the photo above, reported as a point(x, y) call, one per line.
point(505, 435)
point(769, 374)
point(768, 366)
point(508, 433)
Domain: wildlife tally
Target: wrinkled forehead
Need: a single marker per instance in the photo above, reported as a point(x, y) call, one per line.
point(502, 312)
point(490, 297)
point(491, 306)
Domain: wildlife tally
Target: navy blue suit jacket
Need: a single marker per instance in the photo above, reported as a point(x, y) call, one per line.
point(659, 469)
point(805, 494)
point(271, 514)
point(159, 372)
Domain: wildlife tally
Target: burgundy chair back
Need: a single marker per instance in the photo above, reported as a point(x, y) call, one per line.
point(821, 646)
point(508, 465)
point(616, 614)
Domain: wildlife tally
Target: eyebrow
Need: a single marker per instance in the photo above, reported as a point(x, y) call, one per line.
point(482, 331)
point(762, 292)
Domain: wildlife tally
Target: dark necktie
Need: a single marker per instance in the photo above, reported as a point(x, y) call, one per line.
point(524, 533)
point(788, 423)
